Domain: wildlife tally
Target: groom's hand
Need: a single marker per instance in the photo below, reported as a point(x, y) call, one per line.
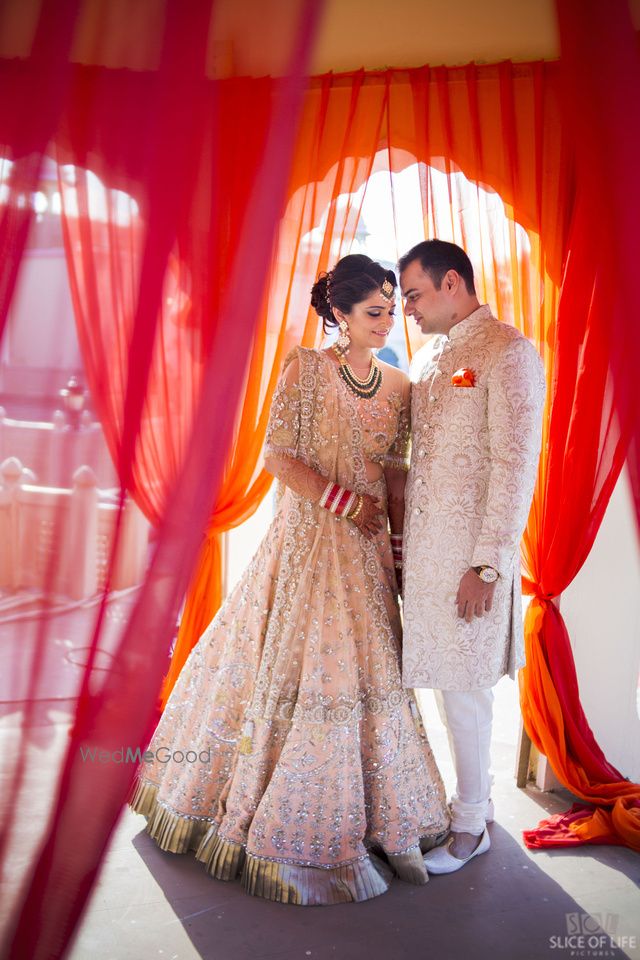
point(474, 597)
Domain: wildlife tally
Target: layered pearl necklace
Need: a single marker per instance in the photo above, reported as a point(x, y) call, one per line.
point(367, 388)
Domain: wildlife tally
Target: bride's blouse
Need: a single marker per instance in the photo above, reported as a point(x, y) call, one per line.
point(385, 430)
point(384, 437)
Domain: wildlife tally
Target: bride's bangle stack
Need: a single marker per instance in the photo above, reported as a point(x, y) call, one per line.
point(396, 549)
point(342, 502)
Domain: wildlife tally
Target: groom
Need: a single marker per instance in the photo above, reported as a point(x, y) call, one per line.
point(476, 417)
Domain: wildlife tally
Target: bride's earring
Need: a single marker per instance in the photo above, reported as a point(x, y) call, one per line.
point(344, 340)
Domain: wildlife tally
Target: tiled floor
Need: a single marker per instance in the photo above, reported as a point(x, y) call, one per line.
point(507, 905)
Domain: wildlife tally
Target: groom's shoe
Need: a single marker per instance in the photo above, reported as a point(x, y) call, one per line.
point(441, 860)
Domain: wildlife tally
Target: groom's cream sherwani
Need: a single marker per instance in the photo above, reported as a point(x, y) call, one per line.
point(474, 463)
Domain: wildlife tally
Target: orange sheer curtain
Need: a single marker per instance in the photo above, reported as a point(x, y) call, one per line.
point(425, 116)
point(502, 127)
point(301, 252)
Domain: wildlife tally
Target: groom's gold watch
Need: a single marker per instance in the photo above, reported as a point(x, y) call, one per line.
point(487, 574)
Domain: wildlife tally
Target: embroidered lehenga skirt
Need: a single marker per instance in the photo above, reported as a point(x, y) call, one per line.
point(308, 766)
point(289, 753)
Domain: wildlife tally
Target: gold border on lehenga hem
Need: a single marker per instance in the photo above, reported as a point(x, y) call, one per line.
point(293, 883)
point(314, 886)
point(305, 885)
point(173, 832)
point(222, 858)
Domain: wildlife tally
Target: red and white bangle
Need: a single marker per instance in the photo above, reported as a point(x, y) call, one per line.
point(396, 549)
point(338, 500)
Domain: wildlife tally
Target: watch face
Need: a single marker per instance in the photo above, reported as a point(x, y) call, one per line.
point(488, 575)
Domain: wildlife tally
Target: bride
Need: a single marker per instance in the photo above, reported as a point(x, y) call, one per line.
point(313, 778)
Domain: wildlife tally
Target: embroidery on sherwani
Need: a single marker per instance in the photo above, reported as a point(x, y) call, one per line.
point(304, 653)
point(476, 422)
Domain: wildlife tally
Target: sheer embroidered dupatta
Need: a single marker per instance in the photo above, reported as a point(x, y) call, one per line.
point(316, 420)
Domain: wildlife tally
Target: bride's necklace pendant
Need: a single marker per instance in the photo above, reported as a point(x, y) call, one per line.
point(367, 388)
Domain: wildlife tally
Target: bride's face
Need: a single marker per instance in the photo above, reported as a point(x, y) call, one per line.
point(370, 321)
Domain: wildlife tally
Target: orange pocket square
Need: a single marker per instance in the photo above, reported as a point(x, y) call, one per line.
point(463, 378)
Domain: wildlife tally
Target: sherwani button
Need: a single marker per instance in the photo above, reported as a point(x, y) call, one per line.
point(432, 399)
point(417, 510)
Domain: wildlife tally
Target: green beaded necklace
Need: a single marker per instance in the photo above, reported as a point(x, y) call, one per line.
point(366, 388)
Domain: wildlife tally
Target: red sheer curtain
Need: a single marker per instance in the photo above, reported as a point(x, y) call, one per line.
point(29, 122)
point(595, 409)
point(104, 252)
point(148, 134)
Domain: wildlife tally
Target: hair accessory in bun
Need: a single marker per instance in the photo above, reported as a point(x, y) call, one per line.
point(329, 279)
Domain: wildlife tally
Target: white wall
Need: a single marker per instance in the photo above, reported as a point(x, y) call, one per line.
point(40, 348)
point(602, 612)
point(41, 329)
point(243, 541)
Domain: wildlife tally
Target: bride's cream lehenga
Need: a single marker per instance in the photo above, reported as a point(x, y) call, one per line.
point(312, 762)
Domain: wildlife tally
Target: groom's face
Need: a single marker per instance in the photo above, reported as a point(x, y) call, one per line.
point(430, 308)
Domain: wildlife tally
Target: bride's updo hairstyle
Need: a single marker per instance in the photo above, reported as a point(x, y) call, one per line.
point(352, 280)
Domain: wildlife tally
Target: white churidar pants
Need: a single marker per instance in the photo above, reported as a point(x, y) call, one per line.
point(467, 716)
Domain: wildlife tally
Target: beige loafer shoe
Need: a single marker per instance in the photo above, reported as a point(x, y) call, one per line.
point(441, 860)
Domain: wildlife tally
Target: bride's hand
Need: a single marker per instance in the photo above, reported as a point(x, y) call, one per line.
point(370, 519)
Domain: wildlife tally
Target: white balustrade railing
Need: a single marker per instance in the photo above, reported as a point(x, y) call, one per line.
point(60, 538)
point(53, 449)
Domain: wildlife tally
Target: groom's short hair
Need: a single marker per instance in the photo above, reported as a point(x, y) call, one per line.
point(436, 258)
